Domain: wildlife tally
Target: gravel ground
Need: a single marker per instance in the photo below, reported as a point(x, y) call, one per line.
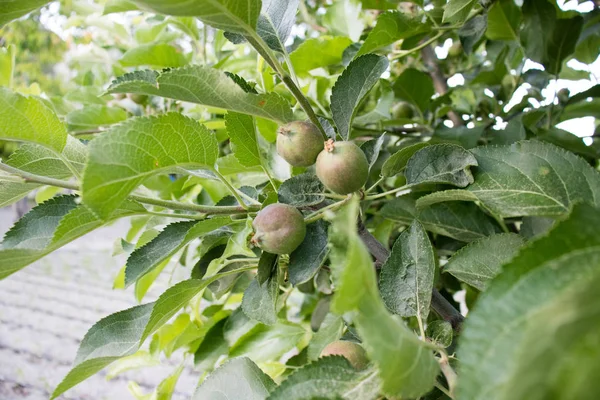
point(46, 309)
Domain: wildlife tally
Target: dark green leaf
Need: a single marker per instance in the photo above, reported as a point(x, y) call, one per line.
point(260, 300)
point(441, 163)
point(457, 11)
point(275, 22)
point(266, 266)
point(396, 163)
point(372, 148)
point(440, 332)
point(301, 191)
point(415, 87)
point(472, 32)
point(306, 260)
point(391, 27)
point(213, 346)
point(504, 18)
point(406, 279)
point(352, 86)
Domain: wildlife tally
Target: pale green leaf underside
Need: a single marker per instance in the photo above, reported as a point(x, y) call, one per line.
point(122, 157)
point(203, 85)
point(406, 279)
point(48, 227)
point(479, 262)
point(352, 86)
point(539, 319)
point(329, 377)
point(237, 16)
point(231, 380)
point(532, 179)
point(28, 119)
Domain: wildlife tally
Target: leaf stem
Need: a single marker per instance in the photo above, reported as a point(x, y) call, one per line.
point(198, 217)
point(401, 190)
point(233, 190)
point(381, 179)
point(404, 53)
point(28, 177)
point(317, 215)
point(448, 372)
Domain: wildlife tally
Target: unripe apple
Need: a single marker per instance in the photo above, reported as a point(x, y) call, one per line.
point(342, 167)
point(402, 110)
point(278, 229)
point(299, 143)
point(353, 352)
point(455, 50)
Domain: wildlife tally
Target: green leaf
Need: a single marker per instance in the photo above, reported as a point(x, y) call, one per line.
point(7, 65)
point(229, 15)
point(532, 178)
point(443, 196)
point(94, 116)
point(504, 18)
point(512, 133)
point(172, 239)
point(159, 55)
point(318, 53)
point(328, 378)
point(539, 320)
point(111, 338)
point(352, 86)
point(13, 9)
point(306, 260)
point(396, 163)
point(372, 148)
point(406, 279)
point(471, 32)
point(237, 376)
point(479, 262)
point(267, 265)
point(242, 131)
point(406, 365)
point(391, 27)
point(331, 329)
point(117, 6)
point(456, 219)
point(343, 17)
point(301, 191)
point(213, 346)
point(543, 34)
point(260, 300)
point(440, 332)
point(28, 119)
point(457, 11)
point(206, 86)
point(48, 227)
point(146, 146)
point(276, 21)
point(441, 163)
point(415, 87)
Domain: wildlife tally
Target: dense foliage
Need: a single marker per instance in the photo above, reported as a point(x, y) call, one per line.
point(326, 133)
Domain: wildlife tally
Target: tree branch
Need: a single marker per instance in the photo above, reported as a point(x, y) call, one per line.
point(439, 80)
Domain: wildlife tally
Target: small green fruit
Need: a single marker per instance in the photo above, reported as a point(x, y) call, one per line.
point(278, 229)
point(140, 99)
point(455, 50)
point(402, 110)
point(342, 167)
point(563, 95)
point(353, 352)
point(299, 143)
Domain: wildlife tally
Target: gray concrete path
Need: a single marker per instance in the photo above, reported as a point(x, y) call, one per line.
point(46, 309)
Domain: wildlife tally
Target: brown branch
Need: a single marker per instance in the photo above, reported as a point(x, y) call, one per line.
point(439, 80)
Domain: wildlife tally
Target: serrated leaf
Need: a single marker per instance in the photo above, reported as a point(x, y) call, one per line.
point(95, 115)
point(549, 291)
point(329, 377)
point(172, 239)
point(318, 53)
point(242, 131)
point(206, 86)
point(108, 340)
point(275, 22)
point(301, 190)
point(443, 196)
point(260, 300)
point(504, 18)
point(532, 178)
point(229, 15)
point(397, 161)
point(13, 9)
point(457, 11)
point(441, 163)
point(159, 55)
point(440, 332)
point(267, 264)
point(331, 329)
point(480, 261)
point(237, 376)
point(372, 148)
point(28, 119)
point(391, 27)
point(48, 227)
point(352, 86)
point(122, 157)
point(406, 280)
point(406, 366)
point(213, 346)
point(456, 219)
point(306, 260)
point(416, 87)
